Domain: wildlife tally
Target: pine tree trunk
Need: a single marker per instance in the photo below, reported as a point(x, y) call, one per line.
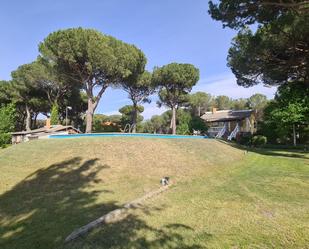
point(92, 104)
point(35, 120)
point(89, 116)
point(294, 135)
point(173, 122)
point(134, 118)
point(28, 119)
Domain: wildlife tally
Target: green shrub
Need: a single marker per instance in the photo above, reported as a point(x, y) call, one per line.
point(183, 129)
point(183, 122)
point(245, 140)
point(7, 124)
point(259, 141)
point(5, 138)
point(54, 115)
point(197, 124)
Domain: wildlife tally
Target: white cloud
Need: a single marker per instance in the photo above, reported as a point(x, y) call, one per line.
point(226, 85)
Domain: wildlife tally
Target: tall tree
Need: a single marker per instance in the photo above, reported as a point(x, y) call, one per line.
point(289, 111)
point(128, 113)
point(240, 13)
point(175, 81)
point(223, 102)
point(92, 60)
point(53, 91)
point(27, 93)
point(278, 51)
point(157, 123)
point(78, 100)
point(8, 96)
point(7, 124)
point(240, 104)
point(183, 119)
point(55, 86)
point(54, 115)
point(257, 101)
point(200, 102)
point(5, 92)
point(139, 87)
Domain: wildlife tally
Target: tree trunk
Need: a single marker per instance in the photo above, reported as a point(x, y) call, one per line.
point(134, 118)
point(173, 121)
point(199, 110)
point(34, 121)
point(21, 123)
point(92, 105)
point(89, 115)
point(294, 135)
point(28, 119)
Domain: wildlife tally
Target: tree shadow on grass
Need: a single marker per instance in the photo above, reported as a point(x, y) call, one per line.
point(45, 207)
point(133, 232)
point(297, 153)
point(280, 153)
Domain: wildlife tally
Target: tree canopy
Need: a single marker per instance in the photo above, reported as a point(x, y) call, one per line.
point(128, 113)
point(25, 92)
point(257, 101)
point(7, 124)
point(278, 51)
point(240, 104)
point(56, 87)
point(288, 112)
point(223, 102)
point(139, 87)
point(5, 92)
point(270, 56)
point(200, 102)
point(92, 60)
point(240, 13)
point(175, 81)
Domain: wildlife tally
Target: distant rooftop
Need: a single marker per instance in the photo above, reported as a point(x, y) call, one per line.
point(53, 128)
point(226, 115)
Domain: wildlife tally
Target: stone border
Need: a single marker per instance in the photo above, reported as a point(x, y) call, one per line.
point(114, 215)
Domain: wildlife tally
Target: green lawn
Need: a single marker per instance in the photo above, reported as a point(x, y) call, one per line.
point(220, 197)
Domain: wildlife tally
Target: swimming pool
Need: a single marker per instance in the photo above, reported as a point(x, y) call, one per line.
point(147, 135)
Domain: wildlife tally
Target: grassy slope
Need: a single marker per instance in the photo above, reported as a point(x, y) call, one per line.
point(220, 197)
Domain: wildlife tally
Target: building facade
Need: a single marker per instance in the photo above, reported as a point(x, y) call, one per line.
point(230, 124)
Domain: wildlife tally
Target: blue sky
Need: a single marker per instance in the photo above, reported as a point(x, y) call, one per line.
point(166, 30)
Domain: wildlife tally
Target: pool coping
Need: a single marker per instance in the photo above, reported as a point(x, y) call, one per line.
point(117, 134)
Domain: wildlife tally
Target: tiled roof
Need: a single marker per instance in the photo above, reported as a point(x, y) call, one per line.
point(54, 128)
point(226, 115)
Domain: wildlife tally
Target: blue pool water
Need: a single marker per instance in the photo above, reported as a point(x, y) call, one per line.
point(126, 135)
